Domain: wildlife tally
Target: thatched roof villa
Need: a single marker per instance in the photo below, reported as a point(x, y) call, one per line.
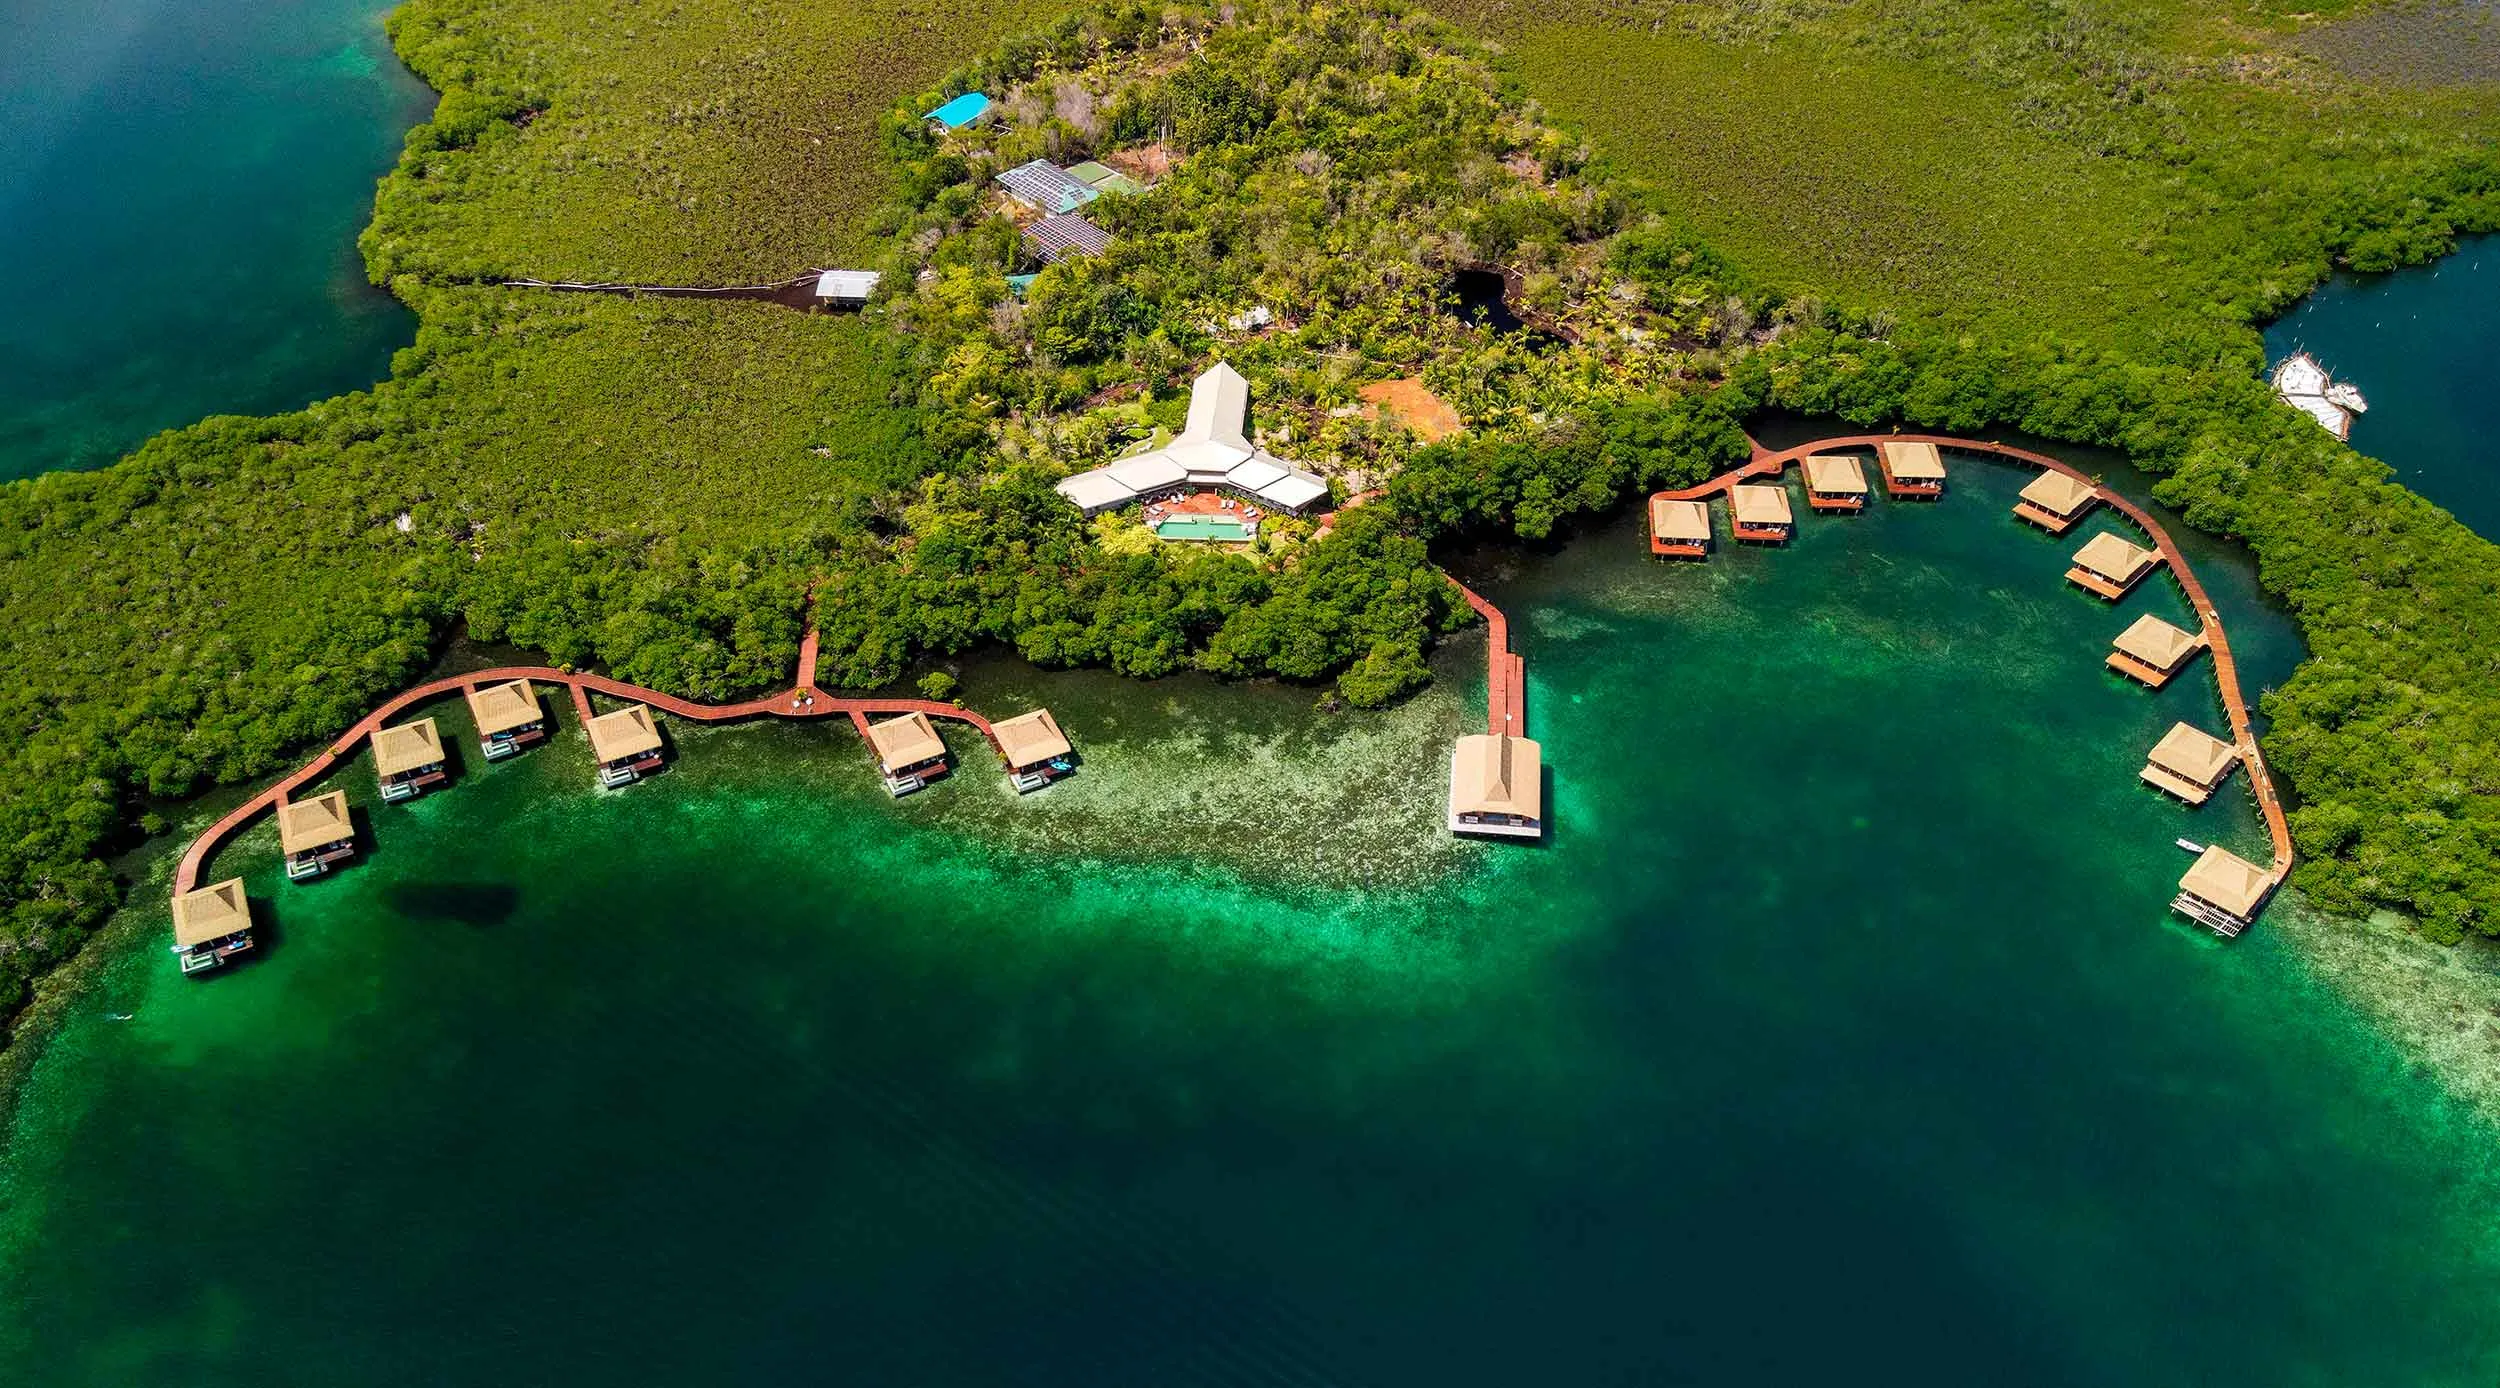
point(2109, 567)
point(2151, 650)
point(1497, 786)
point(1910, 469)
point(407, 758)
point(2189, 763)
point(625, 744)
point(1679, 528)
point(315, 833)
point(1835, 482)
point(2055, 501)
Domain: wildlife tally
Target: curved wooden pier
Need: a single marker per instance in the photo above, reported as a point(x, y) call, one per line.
point(1769, 463)
point(803, 700)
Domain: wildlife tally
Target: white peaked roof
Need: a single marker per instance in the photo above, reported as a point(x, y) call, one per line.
point(1147, 471)
point(846, 284)
point(1095, 491)
point(1213, 449)
point(1294, 491)
point(1258, 472)
point(1219, 405)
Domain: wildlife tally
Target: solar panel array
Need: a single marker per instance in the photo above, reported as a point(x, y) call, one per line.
point(1056, 238)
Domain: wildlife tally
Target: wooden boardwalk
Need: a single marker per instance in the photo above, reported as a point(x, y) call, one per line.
point(803, 700)
point(1769, 463)
point(1506, 675)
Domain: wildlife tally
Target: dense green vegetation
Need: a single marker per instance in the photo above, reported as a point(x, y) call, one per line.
point(652, 144)
point(652, 485)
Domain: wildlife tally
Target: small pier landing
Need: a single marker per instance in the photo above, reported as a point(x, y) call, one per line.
point(1497, 777)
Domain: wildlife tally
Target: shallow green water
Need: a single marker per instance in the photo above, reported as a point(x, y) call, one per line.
point(2424, 347)
point(1838, 1035)
point(180, 191)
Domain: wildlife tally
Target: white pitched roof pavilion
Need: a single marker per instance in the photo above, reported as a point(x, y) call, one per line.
point(1212, 451)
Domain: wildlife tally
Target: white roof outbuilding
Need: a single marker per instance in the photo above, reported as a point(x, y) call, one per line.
point(846, 286)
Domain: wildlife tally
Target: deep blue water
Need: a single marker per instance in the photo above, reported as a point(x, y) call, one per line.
point(180, 190)
point(2424, 346)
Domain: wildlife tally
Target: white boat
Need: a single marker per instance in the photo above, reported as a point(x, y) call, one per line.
point(2305, 386)
point(2191, 845)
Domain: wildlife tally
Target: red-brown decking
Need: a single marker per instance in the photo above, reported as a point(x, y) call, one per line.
point(1768, 463)
point(2049, 520)
point(1834, 501)
point(1916, 491)
point(1506, 675)
point(802, 700)
point(2099, 586)
point(2152, 677)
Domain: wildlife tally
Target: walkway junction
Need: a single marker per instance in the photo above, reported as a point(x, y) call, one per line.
point(2222, 891)
point(213, 923)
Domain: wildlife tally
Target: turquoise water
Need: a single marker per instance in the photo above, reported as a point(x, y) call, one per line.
point(1201, 528)
point(2424, 347)
point(1839, 1034)
point(180, 191)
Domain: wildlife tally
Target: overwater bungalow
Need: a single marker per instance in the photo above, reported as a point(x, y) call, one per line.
point(909, 751)
point(1835, 482)
point(2055, 501)
point(1680, 529)
point(2151, 651)
point(1035, 751)
point(2110, 567)
point(1497, 787)
point(314, 834)
point(508, 718)
point(408, 759)
point(1762, 512)
point(2189, 763)
point(212, 925)
point(625, 744)
point(2223, 892)
point(1910, 469)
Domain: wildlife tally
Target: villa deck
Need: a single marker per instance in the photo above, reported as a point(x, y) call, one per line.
point(2048, 521)
point(1912, 470)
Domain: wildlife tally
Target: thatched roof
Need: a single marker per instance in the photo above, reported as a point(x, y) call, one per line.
point(620, 736)
point(211, 913)
point(500, 708)
point(2114, 558)
point(1912, 462)
point(1498, 774)
point(406, 747)
point(1029, 739)
point(304, 825)
point(2193, 754)
point(2155, 642)
point(906, 741)
point(1679, 522)
point(1835, 474)
point(2227, 880)
point(1760, 503)
point(2058, 494)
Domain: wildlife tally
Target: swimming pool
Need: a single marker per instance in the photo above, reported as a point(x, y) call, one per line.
point(1202, 528)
